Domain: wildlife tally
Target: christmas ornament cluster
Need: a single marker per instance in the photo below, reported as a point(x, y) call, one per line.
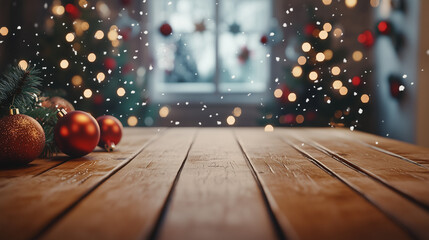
point(32, 126)
point(76, 134)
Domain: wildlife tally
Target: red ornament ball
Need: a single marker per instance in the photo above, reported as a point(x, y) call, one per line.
point(76, 133)
point(264, 39)
point(166, 29)
point(384, 27)
point(366, 38)
point(57, 103)
point(356, 81)
point(110, 63)
point(73, 11)
point(22, 139)
point(111, 132)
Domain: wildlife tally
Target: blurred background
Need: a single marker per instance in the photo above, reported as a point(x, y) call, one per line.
point(360, 64)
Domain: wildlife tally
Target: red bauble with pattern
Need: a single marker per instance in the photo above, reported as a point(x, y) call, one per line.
point(77, 133)
point(111, 132)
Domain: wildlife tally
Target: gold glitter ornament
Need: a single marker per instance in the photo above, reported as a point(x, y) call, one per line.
point(22, 139)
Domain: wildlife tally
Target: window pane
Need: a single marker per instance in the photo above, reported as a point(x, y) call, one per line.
point(244, 65)
point(188, 55)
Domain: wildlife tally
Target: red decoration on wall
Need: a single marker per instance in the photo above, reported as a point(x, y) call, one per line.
point(264, 39)
point(309, 28)
point(110, 63)
point(166, 29)
point(366, 38)
point(244, 54)
point(396, 85)
point(73, 11)
point(356, 81)
point(384, 27)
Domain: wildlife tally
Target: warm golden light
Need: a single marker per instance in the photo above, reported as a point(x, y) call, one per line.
point(302, 60)
point(132, 121)
point(99, 34)
point(4, 31)
point(76, 80)
point(120, 92)
point(297, 71)
point(291, 97)
point(327, 27)
point(164, 111)
point(83, 3)
point(323, 34)
point(299, 119)
point(335, 70)
point(337, 84)
point(115, 43)
point(374, 3)
point(343, 90)
point(306, 47)
point(351, 3)
point(357, 56)
point(64, 64)
point(313, 75)
point(327, 2)
point(101, 76)
point(87, 93)
point(278, 93)
point(338, 32)
point(23, 64)
point(58, 10)
point(84, 26)
point(69, 37)
point(92, 57)
point(364, 98)
point(320, 57)
point(230, 120)
point(112, 35)
point(328, 54)
point(236, 112)
point(269, 128)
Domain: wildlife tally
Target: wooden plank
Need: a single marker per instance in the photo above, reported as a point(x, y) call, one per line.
point(306, 200)
point(216, 196)
point(29, 205)
point(409, 180)
point(402, 150)
point(410, 217)
point(128, 205)
point(39, 166)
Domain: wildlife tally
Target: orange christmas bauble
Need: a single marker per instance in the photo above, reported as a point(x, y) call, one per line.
point(111, 132)
point(57, 103)
point(76, 133)
point(22, 139)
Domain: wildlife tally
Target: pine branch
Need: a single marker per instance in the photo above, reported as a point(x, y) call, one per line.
point(19, 88)
point(48, 119)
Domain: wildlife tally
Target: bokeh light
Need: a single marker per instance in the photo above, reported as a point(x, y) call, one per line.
point(164, 111)
point(64, 64)
point(230, 120)
point(132, 121)
point(23, 64)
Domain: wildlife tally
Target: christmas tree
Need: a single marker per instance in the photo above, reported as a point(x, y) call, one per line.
point(314, 90)
point(87, 59)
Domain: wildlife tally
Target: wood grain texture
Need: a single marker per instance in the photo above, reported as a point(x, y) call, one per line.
point(410, 180)
point(396, 148)
point(407, 215)
point(29, 205)
point(129, 204)
point(216, 196)
point(308, 201)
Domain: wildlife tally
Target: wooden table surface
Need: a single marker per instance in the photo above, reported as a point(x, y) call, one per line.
point(224, 183)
